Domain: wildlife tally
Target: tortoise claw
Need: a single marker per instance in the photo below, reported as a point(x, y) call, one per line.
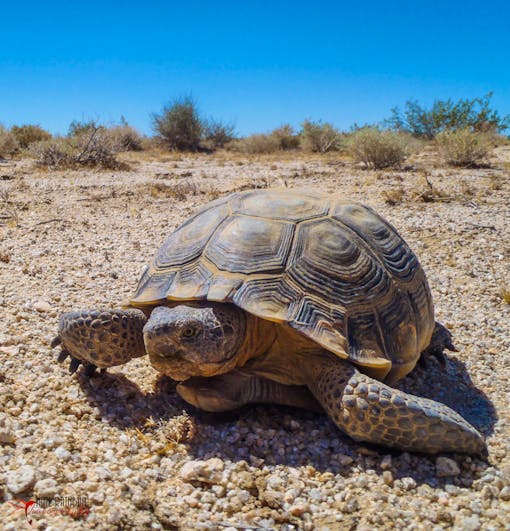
point(89, 370)
point(63, 355)
point(55, 342)
point(73, 366)
point(450, 346)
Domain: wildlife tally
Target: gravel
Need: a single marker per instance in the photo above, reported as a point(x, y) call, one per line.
point(141, 457)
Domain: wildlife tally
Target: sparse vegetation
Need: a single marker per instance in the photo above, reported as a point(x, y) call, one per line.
point(26, 135)
point(462, 147)
point(256, 144)
point(89, 147)
point(320, 137)
point(447, 115)
point(179, 125)
point(378, 149)
point(8, 143)
point(217, 134)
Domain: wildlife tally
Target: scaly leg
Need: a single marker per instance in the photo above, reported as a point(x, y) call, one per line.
point(368, 410)
point(100, 338)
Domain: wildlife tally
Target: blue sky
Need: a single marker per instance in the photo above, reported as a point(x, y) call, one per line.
point(256, 64)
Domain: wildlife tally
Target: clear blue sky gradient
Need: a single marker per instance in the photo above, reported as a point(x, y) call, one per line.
point(256, 64)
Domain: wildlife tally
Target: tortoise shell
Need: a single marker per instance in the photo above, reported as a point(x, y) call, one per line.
point(333, 270)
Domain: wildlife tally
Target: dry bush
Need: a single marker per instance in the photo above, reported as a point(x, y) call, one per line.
point(504, 292)
point(320, 137)
point(394, 196)
point(180, 191)
point(255, 144)
point(8, 143)
point(462, 147)
point(123, 138)
point(378, 149)
point(286, 137)
point(26, 135)
point(91, 148)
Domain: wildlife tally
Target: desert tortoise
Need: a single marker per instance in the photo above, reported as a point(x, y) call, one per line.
point(288, 297)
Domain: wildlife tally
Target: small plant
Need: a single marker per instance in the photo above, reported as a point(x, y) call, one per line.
point(29, 134)
point(463, 147)
point(320, 137)
point(394, 196)
point(505, 294)
point(8, 143)
point(378, 149)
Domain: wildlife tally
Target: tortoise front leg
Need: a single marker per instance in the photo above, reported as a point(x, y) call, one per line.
point(239, 387)
point(100, 338)
point(368, 410)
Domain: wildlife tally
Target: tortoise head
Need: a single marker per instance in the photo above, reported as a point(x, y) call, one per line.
point(194, 339)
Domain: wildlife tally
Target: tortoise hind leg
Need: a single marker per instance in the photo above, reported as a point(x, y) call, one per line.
point(100, 338)
point(238, 387)
point(368, 410)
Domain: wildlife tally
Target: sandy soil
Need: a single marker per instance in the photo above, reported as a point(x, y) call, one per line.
point(142, 457)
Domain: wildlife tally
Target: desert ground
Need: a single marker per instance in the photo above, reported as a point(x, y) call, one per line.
point(141, 457)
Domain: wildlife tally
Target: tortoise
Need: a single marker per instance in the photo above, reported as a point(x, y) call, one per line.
point(288, 297)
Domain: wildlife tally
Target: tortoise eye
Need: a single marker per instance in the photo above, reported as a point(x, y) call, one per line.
point(189, 332)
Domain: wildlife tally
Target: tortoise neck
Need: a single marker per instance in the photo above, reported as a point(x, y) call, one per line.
point(259, 338)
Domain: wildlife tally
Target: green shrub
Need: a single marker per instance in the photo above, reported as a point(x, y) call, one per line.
point(475, 114)
point(462, 147)
point(77, 127)
point(255, 144)
point(378, 149)
point(180, 125)
point(8, 143)
point(320, 137)
point(28, 134)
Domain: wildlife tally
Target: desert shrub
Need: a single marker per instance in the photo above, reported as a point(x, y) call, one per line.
point(462, 147)
point(286, 137)
point(91, 149)
point(180, 125)
point(124, 138)
point(378, 149)
point(8, 143)
point(28, 134)
point(256, 144)
point(77, 127)
point(217, 134)
point(475, 114)
point(320, 137)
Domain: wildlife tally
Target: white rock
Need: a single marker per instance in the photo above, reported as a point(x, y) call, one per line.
point(42, 306)
point(46, 488)
point(21, 479)
point(210, 471)
point(446, 467)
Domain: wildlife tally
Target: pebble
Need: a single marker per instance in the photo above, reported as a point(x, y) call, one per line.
point(42, 306)
point(6, 436)
point(446, 467)
point(21, 479)
point(46, 488)
point(209, 471)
